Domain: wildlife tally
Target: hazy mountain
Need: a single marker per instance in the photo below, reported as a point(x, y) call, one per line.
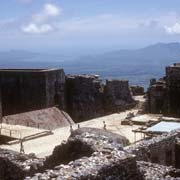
point(27, 59)
point(157, 53)
point(136, 65)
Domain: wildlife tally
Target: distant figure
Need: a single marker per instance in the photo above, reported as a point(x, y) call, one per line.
point(71, 129)
point(78, 126)
point(104, 125)
point(21, 147)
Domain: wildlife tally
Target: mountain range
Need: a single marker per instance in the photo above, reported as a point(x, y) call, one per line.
point(137, 65)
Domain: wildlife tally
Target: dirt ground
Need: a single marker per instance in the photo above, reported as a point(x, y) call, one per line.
point(44, 146)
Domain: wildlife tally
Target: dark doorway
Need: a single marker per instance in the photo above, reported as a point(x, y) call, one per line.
point(177, 156)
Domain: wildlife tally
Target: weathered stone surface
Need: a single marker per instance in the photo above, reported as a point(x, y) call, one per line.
point(96, 155)
point(160, 149)
point(84, 97)
point(117, 96)
point(100, 166)
point(173, 86)
point(88, 97)
point(84, 142)
point(157, 97)
point(15, 166)
point(164, 95)
point(25, 90)
point(150, 171)
point(137, 90)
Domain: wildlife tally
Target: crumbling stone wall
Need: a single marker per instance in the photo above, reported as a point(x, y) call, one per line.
point(109, 161)
point(15, 166)
point(160, 149)
point(84, 142)
point(157, 97)
point(117, 96)
point(100, 166)
point(137, 90)
point(149, 171)
point(84, 97)
point(88, 97)
point(100, 155)
point(173, 86)
point(164, 95)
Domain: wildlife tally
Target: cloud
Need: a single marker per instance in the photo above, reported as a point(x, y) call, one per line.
point(175, 29)
point(42, 22)
point(38, 29)
point(49, 11)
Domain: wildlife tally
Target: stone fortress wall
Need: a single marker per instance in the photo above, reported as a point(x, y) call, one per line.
point(164, 94)
point(82, 96)
point(88, 97)
point(32, 89)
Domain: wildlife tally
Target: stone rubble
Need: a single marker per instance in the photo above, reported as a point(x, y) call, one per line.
point(155, 150)
point(93, 154)
point(152, 171)
point(15, 166)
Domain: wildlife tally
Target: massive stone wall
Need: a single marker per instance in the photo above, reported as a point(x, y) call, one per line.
point(173, 87)
point(164, 95)
point(88, 97)
point(84, 97)
point(157, 94)
point(117, 96)
point(55, 89)
point(26, 90)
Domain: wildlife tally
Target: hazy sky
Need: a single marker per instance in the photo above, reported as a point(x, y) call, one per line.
point(81, 24)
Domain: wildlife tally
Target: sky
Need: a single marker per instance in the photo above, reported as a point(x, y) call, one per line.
point(82, 25)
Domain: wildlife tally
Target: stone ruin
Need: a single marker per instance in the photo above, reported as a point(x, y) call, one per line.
point(82, 96)
point(137, 90)
point(164, 94)
point(98, 155)
point(88, 97)
point(24, 90)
